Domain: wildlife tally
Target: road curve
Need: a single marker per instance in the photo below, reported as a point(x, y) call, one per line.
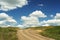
point(30, 35)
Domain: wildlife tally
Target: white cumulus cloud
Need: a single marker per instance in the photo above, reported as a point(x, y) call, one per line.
point(30, 21)
point(38, 13)
point(57, 16)
point(33, 19)
point(6, 5)
point(2, 22)
point(4, 18)
point(52, 22)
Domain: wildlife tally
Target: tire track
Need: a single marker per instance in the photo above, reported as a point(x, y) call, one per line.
point(30, 35)
point(24, 36)
point(38, 35)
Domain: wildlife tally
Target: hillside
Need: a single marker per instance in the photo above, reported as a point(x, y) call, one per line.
point(8, 33)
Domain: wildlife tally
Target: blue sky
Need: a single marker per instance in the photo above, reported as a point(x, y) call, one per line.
point(48, 7)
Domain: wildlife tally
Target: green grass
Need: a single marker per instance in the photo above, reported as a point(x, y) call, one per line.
point(8, 33)
point(52, 32)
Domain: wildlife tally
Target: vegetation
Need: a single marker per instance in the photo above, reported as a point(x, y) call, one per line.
point(40, 28)
point(8, 33)
point(52, 32)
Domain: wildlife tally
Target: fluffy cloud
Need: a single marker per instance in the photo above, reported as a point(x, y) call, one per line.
point(4, 16)
point(33, 19)
point(30, 21)
point(1, 22)
point(38, 13)
point(4, 19)
point(57, 16)
point(12, 4)
point(52, 22)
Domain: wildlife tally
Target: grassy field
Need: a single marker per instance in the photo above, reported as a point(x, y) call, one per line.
point(8, 33)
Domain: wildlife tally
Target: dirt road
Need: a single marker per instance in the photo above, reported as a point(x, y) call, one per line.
point(30, 35)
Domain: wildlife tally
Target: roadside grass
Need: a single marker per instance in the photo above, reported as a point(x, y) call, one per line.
point(52, 32)
point(8, 33)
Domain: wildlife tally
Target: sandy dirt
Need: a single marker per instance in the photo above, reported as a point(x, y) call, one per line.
point(30, 35)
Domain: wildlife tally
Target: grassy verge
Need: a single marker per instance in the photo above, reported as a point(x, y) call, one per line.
point(8, 33)
point(52, 32)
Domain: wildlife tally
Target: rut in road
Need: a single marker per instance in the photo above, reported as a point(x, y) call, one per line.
point(30, 35)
